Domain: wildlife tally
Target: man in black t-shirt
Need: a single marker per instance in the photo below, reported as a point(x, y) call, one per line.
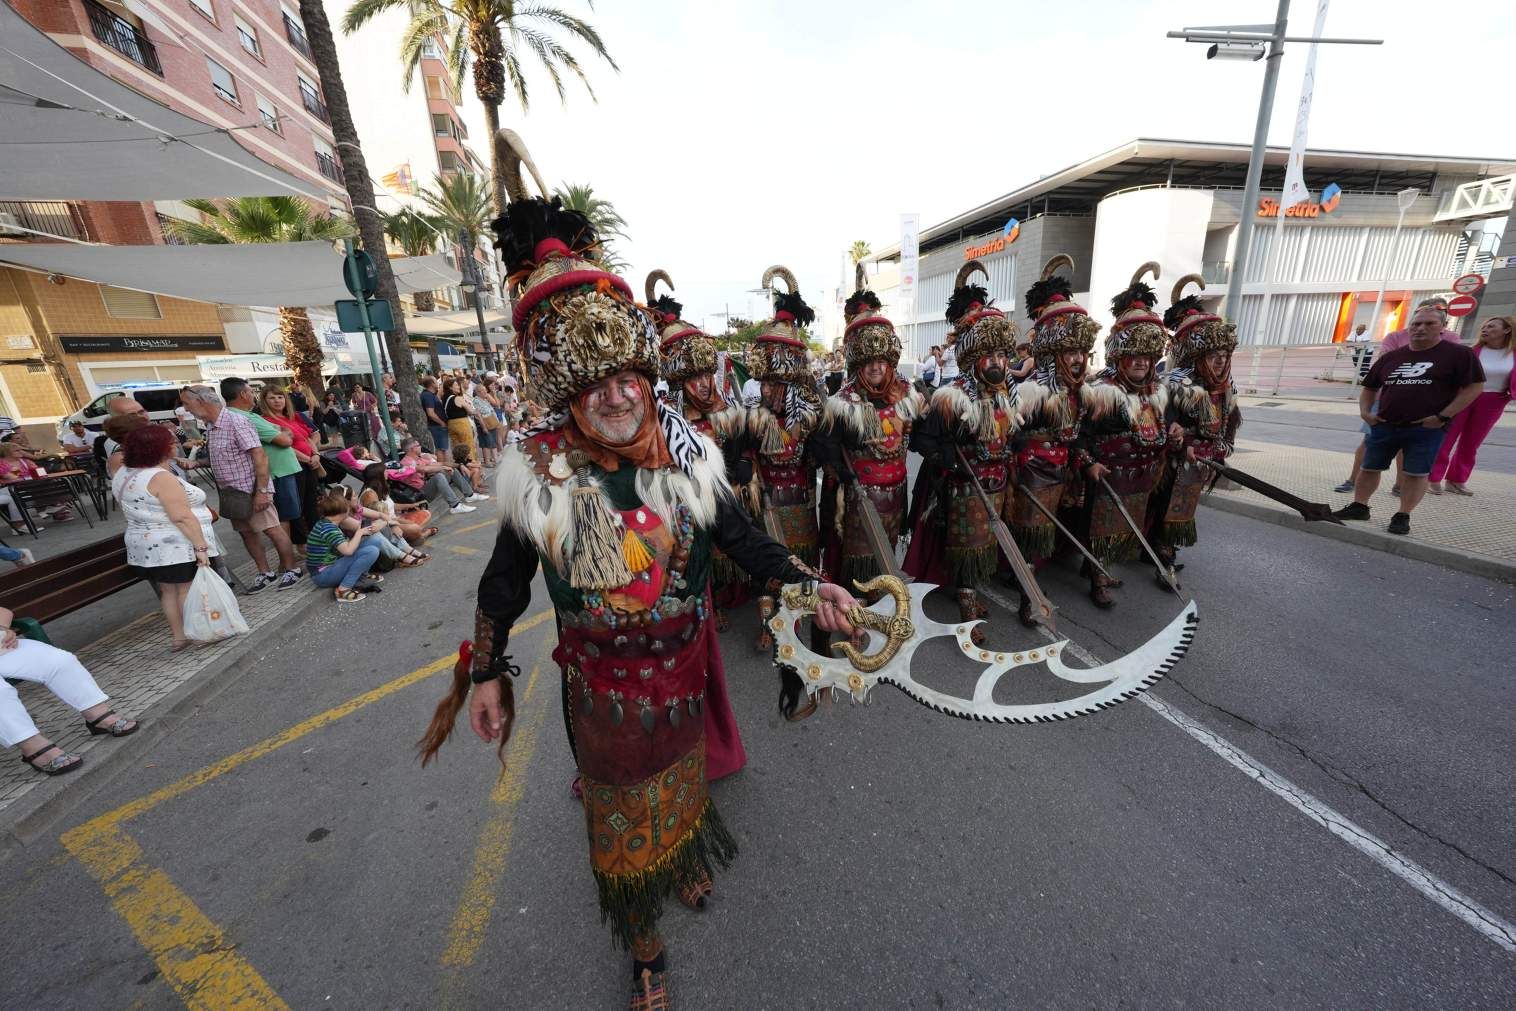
point(1420, 388)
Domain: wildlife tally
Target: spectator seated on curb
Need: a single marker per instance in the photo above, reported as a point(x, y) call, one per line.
point(423, 473)
point(63, 675)
point(341, 561)
point(472, 471)
point(406, 521)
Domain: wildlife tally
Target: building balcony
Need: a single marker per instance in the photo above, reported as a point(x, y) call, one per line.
point(122, 36)
point(314, 106)
point(56, 217)
point(1216, 272)
point(328, 167)
point(296, 34)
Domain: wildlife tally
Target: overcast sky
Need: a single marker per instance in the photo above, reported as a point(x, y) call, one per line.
point(741, 135)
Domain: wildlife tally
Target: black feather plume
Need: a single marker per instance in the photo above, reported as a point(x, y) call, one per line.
point(1138, 292)
point(525, 223)
point(1180, 309)
point(1043, 292)
point(792, 303)
point(860, 300)
point(667, 306)
point(962, 298)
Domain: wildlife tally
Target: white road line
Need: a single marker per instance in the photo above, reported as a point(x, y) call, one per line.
point(1501, 933)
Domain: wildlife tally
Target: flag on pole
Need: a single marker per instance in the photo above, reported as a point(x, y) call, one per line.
point(400, 180)
point(1294, 169)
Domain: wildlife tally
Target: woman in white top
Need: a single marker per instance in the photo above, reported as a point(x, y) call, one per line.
point(1460, 446)
point(168, 527)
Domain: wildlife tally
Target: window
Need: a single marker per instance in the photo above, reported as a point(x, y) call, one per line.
point(248, 37)
point(123, 36)
point(222, 81)
point(269, 114)
point(436, 88)
point(326, 160)
point(442, 126)
point(294, 30)
point(310, 97)
point(123, 303)
point(450, 162)
point(204, 7)
point(430, 50)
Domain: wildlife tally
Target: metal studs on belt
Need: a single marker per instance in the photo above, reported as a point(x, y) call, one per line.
point(645, 714)
point(616, 711)
point(587, 703)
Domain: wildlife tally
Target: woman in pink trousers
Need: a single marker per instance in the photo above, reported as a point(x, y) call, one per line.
point(1455, 460)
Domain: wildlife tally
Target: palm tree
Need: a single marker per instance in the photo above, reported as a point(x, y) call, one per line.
point(360, 192)
point(606, 220)
point(858, 252)
point(416, 235)
point(493, 37)
point(460, 205)
point(270, 220)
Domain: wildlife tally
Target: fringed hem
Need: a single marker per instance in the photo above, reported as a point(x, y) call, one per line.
point(1035, 541)
point(632, 903)
point(1177, 535)
point(725, 572)
point(972, 566)
point(1116, 548)
point(857, 567)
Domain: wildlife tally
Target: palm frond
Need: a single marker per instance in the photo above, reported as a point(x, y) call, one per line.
point(422, 27)
point(361, 12)
point(458, 55)
point(575, 26)
point(516, 78)
point(541, 46)
point(194, 233)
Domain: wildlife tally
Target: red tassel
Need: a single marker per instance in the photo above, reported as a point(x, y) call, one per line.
point(466, 652)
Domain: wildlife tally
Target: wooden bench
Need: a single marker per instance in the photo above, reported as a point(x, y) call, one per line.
point(62, 585)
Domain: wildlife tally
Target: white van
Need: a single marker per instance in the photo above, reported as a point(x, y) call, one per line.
point(158, 399)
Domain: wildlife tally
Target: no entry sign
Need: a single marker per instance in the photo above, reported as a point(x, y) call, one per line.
point(1462, 305)
point(1468, 284)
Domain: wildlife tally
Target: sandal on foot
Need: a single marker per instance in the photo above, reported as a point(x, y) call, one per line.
point(408, 561)
point(345, 596)
point(694, 893)
point(429, 533)
point(121, 727)
point(58, 766)
point(650, 992)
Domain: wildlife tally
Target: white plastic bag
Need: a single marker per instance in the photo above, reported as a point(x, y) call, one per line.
point(210, 610)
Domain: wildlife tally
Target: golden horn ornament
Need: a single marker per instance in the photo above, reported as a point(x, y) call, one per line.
point(1051, 267)
point(650, 288)
point(1150, 266)
point(967, 271)
point(1178, 291)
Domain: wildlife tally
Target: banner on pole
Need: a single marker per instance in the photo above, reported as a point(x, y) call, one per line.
point(1294, 169)
point(910, 262)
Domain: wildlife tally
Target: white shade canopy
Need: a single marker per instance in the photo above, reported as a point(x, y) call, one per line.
point(282, 274)
point(71, 133)
point(447, 324)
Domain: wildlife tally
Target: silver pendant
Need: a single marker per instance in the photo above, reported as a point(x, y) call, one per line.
point(616, 713)
point(649, 721)
point(587, 704)
point(674, 716)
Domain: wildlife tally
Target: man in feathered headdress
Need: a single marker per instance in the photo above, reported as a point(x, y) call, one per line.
point(953, 539)
point(1127, 431)
point(621, 501)
point(784, 429)
point(1203, 401)
point(1052, 405)
point(871, 415)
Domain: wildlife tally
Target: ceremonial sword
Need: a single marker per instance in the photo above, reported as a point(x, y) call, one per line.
point(1311, 511)
point(1043, 611)
point(1166, 570)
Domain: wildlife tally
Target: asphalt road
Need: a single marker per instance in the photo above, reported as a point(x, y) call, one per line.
point(891, 857)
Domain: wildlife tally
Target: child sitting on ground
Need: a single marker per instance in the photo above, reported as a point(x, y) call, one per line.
point(471, 470)
point(342, 560)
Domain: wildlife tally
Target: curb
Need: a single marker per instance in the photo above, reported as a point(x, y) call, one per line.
point(30, 817)
point(1487, 566)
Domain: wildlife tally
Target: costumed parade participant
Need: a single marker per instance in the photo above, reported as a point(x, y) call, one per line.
point(953, 542)
point(871, 416)
point(1052, 405)
point(1203, 401)
point(1126, 432)
point(687, 362)
point(621, 501)
point(787, 446)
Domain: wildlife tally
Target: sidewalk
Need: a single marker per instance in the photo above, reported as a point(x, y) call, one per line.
point(1471, 534)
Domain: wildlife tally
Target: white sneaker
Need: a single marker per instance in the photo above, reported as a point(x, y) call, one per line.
point(476, 497)
point(26, 558)
point(461, 507)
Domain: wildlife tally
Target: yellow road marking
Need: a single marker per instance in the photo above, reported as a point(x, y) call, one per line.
point(477, 903)
point(299, 730)
point(459, 549)
point(473, 526)
point(191, 952)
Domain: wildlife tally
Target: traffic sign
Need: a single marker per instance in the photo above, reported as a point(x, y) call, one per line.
point(350, 317)
point(1462, 305)
point(1468, 284)
point(366, 272)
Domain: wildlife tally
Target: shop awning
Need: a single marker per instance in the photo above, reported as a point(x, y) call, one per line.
point(287, 274)
point(446, 324)
point(72, 133)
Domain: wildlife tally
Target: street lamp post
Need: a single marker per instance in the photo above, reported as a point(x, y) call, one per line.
point(471, 281)
point(1403, 201)
point(1253, 42)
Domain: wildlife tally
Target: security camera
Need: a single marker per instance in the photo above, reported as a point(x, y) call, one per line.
point(1250, 51)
